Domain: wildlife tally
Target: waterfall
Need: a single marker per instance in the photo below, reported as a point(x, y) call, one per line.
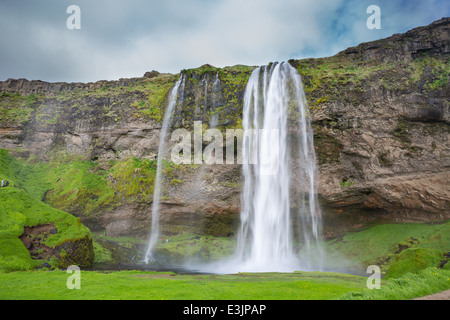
point(280, 218)
point(266, 239)
point(215, 92)
point(177, 90)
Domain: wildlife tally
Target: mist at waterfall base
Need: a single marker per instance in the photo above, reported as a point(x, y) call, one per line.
point(273, 235)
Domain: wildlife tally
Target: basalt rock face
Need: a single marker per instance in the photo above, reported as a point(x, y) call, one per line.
point(406, 47)
point(94, 120)
point(383, 142)
point(380, 114)
point(115, 120)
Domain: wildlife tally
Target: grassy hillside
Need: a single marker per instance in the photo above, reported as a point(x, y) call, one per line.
point(380, 244)
point(20, 207)
point(85, 187)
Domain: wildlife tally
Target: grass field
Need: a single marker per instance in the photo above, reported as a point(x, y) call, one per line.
point(139, 285)
point(170, 286)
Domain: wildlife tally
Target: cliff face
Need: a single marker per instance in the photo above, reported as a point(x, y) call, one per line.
point(381, 117)
point(380, 113)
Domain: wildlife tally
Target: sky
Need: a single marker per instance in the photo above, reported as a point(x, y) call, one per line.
point(126, 38)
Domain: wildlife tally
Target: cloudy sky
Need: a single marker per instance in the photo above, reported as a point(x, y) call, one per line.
point(126, 38)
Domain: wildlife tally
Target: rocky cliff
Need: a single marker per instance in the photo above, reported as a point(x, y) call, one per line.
point(381, 116)
point(380, 113)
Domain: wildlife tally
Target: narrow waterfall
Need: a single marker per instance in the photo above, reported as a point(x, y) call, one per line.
point(215, 92)
point(176, 99)
point(177, 91)
point(267, 240)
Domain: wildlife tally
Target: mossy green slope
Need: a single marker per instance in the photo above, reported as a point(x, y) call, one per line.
point(19, 208)
point(414, 260)
point(380, 244)
point(28, 176)
point(76, 185)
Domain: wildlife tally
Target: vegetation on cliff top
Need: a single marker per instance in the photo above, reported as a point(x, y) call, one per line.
point(15, 109)
point(341, 78)
point(111, 102)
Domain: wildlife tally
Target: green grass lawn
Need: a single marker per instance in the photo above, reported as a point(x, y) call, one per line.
point(136, 285)
point(140, 285)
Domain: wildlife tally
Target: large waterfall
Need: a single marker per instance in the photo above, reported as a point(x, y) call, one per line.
point(280, 218)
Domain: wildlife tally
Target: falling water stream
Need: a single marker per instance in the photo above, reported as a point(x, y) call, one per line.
point(177, 90)
point(267, 240)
